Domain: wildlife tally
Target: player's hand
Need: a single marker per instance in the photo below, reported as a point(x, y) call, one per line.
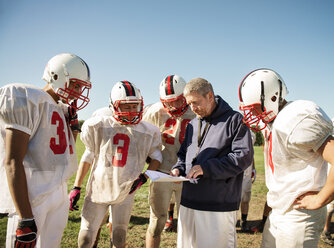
point(253, 175)
point(73, 117)
point(74, 198)
point(309, 201)
point(175, 173)
point(138, 183)
point(26, 234)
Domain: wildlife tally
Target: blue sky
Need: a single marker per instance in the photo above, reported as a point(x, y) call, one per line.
point(144, 41)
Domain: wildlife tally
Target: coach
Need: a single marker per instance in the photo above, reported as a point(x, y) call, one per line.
point(217, 148)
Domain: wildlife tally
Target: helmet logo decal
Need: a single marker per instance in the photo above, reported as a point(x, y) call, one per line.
point(130, 91)
point(169, 88)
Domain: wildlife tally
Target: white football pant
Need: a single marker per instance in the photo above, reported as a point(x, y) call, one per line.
point(50, 216)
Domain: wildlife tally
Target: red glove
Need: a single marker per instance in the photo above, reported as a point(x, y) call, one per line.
point(73, 117)
point(74, 198)
point(138, 183)
point(26, 234)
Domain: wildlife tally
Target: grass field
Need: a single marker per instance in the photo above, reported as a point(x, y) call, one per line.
point(140, 216)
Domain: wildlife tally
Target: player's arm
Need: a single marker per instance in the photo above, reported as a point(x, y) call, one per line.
point(154, 162)
point(75, 134)
point(73, 120)
point(253, 171)
point(81, 173)
point(153, 165)
point(326, 195)
point(84, 166)
point(16, 148)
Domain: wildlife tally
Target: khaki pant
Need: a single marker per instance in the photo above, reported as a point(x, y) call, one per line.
point(159, 198)
point(93, 214)
point(247, 185)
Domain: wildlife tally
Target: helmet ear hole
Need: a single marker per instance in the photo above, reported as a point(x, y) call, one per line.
point(274, 98)
point(55, 77)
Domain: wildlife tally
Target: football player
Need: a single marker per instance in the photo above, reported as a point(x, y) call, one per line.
point(326, 235)
point(299, 147)
point(266, 209)
point(37, 151)
point(171, 115)
point(246, 191)
point(116, 147)
point(74, 195)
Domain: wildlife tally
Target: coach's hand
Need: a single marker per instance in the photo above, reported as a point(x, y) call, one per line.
point(195, 172)
point(26, 234)
point(138, 183)
point(73, 117)
point(74, 198)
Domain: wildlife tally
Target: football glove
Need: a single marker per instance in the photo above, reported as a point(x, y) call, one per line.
point(138, 183)
point(26, 234)
point(73, 117)
point(74, 198)
point(253, 175)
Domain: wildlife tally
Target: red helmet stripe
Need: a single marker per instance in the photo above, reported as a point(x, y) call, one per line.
point(130, 91)
point(169, 85)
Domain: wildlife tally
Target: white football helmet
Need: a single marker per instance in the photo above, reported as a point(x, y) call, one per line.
point(171, 90)
point(261, 89)
point(63, 69)
point(126, 92)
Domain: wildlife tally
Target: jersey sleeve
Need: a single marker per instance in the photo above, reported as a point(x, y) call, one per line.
point(155, 150)
point(150, 114)
point(17, 111)
point(310, 133)
point(88, 135)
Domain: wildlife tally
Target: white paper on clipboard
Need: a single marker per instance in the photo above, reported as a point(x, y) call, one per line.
point(157, 176)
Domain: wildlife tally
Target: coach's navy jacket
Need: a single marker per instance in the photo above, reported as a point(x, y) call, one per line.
point(225, 153)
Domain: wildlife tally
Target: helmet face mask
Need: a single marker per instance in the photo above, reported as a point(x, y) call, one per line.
point(261, 93)
point(171, 95)
point(255, 118)
point(126, 103)
point(175, 106)
point(69, 77)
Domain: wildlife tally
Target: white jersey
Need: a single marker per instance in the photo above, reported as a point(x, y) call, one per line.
point(293, 165)
point(172, 131)
point(120, 152)
point(51, 158)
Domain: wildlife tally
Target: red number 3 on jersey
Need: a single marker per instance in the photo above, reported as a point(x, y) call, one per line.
point(122, 151)
point(60, 146)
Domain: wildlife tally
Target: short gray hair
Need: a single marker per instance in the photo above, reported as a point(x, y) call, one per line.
point(199, 85)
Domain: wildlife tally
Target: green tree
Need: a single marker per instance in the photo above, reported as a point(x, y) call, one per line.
point(259, 138)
